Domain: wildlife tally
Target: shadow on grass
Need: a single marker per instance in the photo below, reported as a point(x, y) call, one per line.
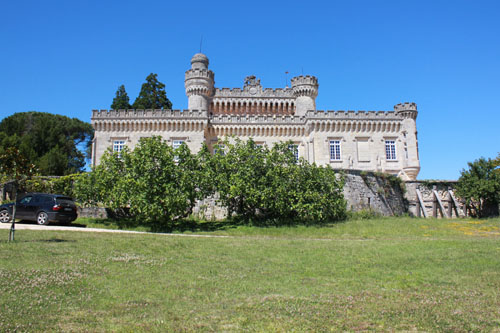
point(194, 225)
point(52, 240)
point(235, 222)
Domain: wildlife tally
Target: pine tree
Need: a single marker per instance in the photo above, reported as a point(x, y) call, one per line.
point(121, 100)
point(152, 95)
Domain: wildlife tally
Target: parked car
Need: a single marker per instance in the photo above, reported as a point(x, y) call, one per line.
point(41, 208)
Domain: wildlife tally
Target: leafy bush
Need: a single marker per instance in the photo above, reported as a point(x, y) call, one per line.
point(153, 183)
point(56, 185)
point(157, 184)
point(480, 187)
point(256, 182)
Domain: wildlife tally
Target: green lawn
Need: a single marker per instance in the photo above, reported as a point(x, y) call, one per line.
point(380, 274)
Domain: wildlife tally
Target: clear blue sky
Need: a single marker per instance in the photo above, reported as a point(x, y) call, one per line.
point(69, 57)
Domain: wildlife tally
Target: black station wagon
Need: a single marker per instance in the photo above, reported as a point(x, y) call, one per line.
point(42, 208)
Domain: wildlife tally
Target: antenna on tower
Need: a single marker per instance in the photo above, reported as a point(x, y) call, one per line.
point(201, 42)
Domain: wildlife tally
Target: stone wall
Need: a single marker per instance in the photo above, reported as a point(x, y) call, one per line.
point(430, 191)
point(378, 192)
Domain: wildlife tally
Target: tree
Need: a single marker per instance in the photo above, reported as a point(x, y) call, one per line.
point(14, 166)
point(121, 100)
point(155, 182)
point(480, 187)
point(496, 163)
point(152, 95)
point(55, 144)
point(16, 169)
point(258, 183)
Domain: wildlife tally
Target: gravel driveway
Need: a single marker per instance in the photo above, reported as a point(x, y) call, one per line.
point(24, 226)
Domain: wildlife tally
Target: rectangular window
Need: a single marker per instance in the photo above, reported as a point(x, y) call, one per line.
point(177, 143)
point(118, 145)
point(334, 150)
point(390, 150)
point(295, 150)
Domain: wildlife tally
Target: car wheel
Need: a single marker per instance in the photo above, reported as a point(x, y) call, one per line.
point(42, 218)
point(4, 216)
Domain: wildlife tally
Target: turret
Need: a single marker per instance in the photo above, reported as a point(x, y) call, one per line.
point(412, 163)
point(199, 83)
point(407, 110)
point(305, 90)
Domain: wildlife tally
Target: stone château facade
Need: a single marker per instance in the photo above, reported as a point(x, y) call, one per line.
point(364, 140)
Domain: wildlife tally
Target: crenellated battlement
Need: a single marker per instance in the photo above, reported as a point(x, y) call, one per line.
point(199, 73)
point(149, 113)
point(406, 110)
point(304, 80)
point(361, 115)
point(256, 119)
point(264, 93)
point(405, 107)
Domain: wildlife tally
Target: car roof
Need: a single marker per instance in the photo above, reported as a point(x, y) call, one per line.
point(49, 194)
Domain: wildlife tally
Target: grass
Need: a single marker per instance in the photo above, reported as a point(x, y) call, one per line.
point(378, 274)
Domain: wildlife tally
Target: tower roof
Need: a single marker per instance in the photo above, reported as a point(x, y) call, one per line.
point(199, 57)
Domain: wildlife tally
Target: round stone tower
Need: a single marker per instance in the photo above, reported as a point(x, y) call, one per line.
point(305, 90)
point(412, 163)
point(199, 83)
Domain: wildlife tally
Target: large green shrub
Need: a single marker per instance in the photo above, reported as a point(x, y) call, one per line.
point(56, 185)
point(480, 187)
point(157, 184)
point(154, 182)
point(256, 182)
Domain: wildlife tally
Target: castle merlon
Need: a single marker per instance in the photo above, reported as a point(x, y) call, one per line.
point(405, 107)
point(265, 93)
point(196, 73)
point(256, 119)
point(304, 80)
point(149, 113)
point(365, 115)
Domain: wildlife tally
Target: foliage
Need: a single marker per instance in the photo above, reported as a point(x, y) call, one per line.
point(259, 183)
point(155, 182)
point(121, 100)
point(14, 165)
point(152, 95)
point(57, 185)
point(50, 142)
point(480, 187)
point(496, 163)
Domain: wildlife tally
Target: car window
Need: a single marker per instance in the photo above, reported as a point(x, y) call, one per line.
point(64, 201)
point(26, 200)
point(48, 199)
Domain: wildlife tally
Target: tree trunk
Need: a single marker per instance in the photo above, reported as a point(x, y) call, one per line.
point(13, 225)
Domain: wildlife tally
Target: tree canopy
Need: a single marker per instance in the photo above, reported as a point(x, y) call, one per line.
point(53, 143)
point(479, 185)
point(260, 183)
point(496, 163)
point(121, 100)
point(156, 184)
point(152, 95)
